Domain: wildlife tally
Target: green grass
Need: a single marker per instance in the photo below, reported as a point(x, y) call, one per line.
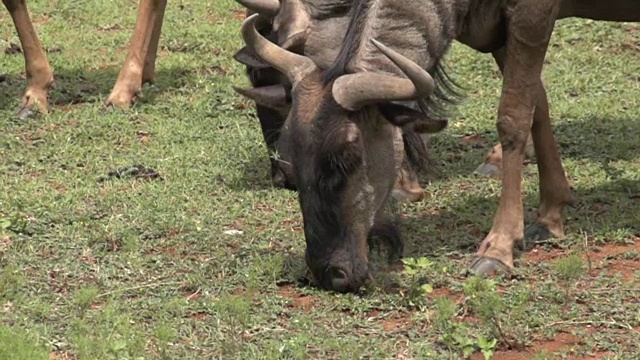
point(142, 269)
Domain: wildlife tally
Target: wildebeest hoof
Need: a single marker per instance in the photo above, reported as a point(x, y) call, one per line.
point(280, 181)
point(483, 266)
point(535, 233)
point(407, 195)
point(25, 112)
point(488, 169)
point(108, 108)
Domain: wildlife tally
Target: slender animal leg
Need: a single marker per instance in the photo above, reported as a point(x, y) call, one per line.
point(145, 40)
point(39, 73)
point(530, 26)
point(554, 186)
point(149, 70)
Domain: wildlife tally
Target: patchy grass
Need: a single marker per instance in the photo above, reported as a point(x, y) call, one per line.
point(141, 267)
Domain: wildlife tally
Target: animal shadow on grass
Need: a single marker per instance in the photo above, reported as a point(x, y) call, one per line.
point(255, 173)
point(599, 139)
point(602, 212)
point(80, 85)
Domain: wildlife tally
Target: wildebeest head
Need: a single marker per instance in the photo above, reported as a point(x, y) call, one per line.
point(346, 150)
point(308, 27)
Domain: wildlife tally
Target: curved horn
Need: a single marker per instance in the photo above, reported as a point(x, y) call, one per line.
point(354, 91)
point(292, 65)
point(267, 8)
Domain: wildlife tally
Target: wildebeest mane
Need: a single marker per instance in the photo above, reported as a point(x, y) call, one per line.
point(325, 9)
point(447, 91)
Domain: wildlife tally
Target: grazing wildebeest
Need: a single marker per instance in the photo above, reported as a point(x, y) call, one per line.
point(139, 66)
point(341, 143)
point(345, 161)
point(315, 28)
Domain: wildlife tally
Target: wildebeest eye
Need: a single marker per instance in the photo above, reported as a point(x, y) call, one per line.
point(340, 159)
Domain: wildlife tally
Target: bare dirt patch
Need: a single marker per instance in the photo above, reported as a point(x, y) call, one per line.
point(61, 355)
point(5, 243)
point(456, 297)
point(298, 300)
point(600, 258)
point(239, 14)
point(557, 347)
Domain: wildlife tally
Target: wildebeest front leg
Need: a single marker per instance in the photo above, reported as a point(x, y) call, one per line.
point(139, 65)
point(554, 187)
point(38, 71)
point(530, 27)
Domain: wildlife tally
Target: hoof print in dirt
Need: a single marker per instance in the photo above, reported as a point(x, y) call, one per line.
point(133, 171)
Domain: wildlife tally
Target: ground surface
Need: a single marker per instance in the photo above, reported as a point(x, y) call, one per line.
point(146, 268)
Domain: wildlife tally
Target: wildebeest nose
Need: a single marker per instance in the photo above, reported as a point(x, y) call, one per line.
point(339, 280)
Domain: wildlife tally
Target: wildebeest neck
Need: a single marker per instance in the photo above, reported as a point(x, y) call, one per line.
point(420, 30)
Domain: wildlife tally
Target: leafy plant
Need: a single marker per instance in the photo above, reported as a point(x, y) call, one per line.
point(487, 346)
point(415, 269)
point(568, 269)
point(456, 336)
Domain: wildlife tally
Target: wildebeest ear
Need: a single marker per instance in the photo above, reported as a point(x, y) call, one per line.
point(291, 24)
point(247, 57)
point(272, 96)
point(406, 117)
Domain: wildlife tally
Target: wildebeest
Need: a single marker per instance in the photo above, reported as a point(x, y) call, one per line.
point(345, 161)
point(138, 69)
point(343, 144)
point(315, 28)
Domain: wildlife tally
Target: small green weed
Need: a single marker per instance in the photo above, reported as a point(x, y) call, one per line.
point(415, 269)
point(567, 270)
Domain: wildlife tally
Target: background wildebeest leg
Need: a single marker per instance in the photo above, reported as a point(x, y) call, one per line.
point(407, 187)
point(271, 118)
point(271, 122)
point(39, 73)
point(530, 27)
point(139, 65)
point(492, 165)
